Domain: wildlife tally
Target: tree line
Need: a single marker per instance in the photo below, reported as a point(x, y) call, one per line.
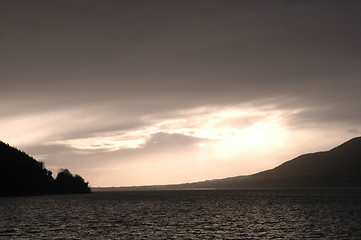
point(21, 174)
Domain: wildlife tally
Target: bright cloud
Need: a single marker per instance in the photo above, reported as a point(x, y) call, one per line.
point(228, 127)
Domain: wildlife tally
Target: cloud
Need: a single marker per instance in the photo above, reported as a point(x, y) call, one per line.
point(203, 123)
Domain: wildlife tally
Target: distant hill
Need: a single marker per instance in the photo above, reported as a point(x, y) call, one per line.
point(21, 174)
point(339, 167)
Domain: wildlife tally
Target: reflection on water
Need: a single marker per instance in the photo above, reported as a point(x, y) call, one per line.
point(241, 214)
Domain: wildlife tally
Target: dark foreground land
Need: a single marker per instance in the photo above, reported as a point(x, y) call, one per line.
point(22, 175)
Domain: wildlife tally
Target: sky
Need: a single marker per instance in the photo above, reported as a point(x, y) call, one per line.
point(143, 92)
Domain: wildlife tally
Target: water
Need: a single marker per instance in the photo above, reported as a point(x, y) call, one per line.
point(241, 214)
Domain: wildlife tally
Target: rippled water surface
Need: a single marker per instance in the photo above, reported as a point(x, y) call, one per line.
point(241, 214)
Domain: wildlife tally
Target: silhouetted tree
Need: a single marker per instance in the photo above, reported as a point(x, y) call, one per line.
point(66, 182)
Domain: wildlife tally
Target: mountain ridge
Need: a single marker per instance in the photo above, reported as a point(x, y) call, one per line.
point(338, 167)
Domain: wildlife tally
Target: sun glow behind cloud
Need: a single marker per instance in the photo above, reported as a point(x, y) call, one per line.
point(184, 146)
point(262, 136)
point(230, 142)
point(222, 131)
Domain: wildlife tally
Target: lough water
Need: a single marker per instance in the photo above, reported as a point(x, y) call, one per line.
point(240, 214)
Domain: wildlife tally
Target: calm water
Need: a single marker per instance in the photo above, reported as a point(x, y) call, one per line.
point(243, 214)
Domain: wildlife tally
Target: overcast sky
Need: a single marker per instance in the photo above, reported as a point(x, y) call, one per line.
point(156, 92)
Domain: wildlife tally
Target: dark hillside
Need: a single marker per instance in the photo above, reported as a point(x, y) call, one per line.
point(339, 167)
point(21, 174)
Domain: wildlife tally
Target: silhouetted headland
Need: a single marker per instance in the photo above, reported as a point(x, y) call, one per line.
point(22, 175)
point(336, 168)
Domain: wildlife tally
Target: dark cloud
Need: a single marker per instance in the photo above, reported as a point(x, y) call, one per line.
point(150, 56)
point(214, 51)
point(60, 155)
point(46, 150)
point(162, 141)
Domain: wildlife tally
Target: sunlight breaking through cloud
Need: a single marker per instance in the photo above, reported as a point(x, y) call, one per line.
point(228, 127)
